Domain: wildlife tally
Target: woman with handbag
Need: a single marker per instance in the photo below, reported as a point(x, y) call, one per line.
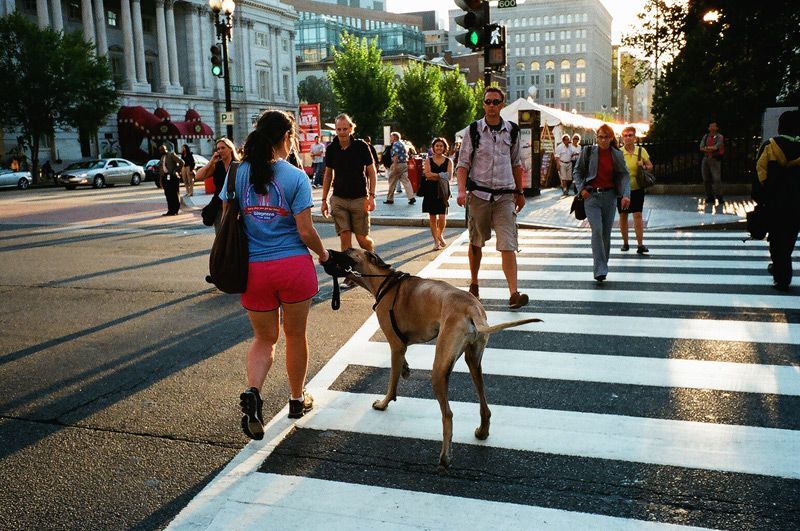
point(601, 176)
point(437, 169)
point(217, 167)
point(636, 159)
point(275, 202)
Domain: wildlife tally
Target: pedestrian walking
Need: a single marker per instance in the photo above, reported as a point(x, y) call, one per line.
point(375, 159)
point(437, 170)
point(398, 172)
point(563, 153)
point(778, 192)
point(187, 172)
point(636, 159)
point(349, 169)
point(712, 145)
point(601, 176)
point(318, 160)
point(224, 153)
point(170, 166)
point(489, 175)
point(275, 201)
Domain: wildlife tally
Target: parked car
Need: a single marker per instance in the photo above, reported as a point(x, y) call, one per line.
point(101, 172)
point(151, 168)
point(20, 179)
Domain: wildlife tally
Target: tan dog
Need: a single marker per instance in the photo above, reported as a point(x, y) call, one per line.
point(423, 309)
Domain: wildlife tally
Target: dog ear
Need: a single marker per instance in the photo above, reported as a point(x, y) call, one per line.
point(376, 260)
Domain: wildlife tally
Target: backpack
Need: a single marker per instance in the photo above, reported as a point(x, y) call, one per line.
point(386, 156)
point(476, 140)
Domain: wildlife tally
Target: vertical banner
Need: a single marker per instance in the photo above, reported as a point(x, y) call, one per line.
point(309, 125)
point(529, 147)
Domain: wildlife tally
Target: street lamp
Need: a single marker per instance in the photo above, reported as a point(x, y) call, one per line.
point(224, 26)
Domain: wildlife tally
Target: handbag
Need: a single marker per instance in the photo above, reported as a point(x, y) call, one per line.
point(230, 256)
point(578, 208)
point(209, 212)
point(645, 178)
point(758, 222)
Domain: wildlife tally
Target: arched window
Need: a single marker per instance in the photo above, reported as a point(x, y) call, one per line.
point(550, 65)
point(521, 66)
point(565, 65)
point(580, 63)
point(569, 19)
point(535, 66)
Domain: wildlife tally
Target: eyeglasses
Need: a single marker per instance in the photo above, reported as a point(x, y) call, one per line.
point(494, 102)
point(627, 134)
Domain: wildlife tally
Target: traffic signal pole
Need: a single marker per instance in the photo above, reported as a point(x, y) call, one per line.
point(227, 83)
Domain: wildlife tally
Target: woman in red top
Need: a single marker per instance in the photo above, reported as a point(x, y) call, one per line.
point(601, 176)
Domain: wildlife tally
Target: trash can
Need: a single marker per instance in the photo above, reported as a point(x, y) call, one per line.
point(209, 185)
point(415, 172)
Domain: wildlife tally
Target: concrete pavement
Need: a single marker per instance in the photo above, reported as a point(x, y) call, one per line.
point(674, 209)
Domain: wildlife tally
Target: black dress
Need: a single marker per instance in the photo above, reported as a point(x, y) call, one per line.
point(432, 202)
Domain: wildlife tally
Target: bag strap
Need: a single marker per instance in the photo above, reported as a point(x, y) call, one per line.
point(232, 170)
point(639, 154)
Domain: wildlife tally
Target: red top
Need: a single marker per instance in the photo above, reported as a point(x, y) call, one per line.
point(605, 169)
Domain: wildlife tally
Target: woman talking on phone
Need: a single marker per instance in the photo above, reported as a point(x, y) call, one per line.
point(217, 167)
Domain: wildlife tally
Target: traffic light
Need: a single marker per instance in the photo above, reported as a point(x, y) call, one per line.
point(474, 20)
point(216, 61)
point(495, 51)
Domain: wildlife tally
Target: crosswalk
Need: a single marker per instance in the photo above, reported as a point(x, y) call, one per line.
point(668, 397)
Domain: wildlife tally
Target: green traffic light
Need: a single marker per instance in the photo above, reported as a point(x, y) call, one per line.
point(216, 70)
point(473, 38)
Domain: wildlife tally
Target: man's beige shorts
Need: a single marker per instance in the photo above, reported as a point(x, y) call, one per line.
point(350, 215)
point(499, 215)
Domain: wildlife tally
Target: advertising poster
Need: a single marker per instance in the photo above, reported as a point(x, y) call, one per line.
point(308, 125)
point(548, 147)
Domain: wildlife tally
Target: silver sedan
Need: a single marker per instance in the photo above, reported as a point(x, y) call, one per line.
point(101, 172)
point(20, 179)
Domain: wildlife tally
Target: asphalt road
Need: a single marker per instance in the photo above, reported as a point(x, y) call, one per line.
point(120, 368)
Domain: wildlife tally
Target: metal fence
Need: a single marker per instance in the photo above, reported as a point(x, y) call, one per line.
point(678, 162)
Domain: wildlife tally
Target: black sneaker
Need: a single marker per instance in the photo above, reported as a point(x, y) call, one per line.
point(625, 247)
point(252, 420)
point(412, 200)
point(642, 249)
point(298, 408)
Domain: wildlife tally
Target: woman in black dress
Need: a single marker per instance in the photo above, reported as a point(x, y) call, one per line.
point(437, 171)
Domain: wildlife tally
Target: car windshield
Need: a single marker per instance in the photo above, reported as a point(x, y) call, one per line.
point(85, 165)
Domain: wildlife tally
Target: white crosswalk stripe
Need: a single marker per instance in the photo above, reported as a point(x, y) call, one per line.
point(733, 308)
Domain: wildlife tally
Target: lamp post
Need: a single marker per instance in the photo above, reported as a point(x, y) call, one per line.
point(224, 26)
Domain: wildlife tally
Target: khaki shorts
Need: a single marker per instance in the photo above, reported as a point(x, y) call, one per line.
point(499, 215)
point(350, 215)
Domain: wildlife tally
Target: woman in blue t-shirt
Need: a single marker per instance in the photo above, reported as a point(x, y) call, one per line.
point(275, 200)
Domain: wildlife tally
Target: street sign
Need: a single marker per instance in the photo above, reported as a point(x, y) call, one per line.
point(226, 118)
point(237, 88)
point(506, 3)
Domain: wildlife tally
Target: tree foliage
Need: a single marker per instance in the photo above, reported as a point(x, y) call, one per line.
point(49, 80)
point(317, 90)
point(729, 70)
point(362, 84)
point(659, 36)
point(461, 103)
point(420, 103)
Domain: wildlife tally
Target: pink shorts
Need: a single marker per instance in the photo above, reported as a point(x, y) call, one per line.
point(282, 281)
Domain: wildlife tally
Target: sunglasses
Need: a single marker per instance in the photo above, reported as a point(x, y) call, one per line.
point(495, 102)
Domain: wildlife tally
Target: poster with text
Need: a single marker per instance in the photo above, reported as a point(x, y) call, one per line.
point(308, 125)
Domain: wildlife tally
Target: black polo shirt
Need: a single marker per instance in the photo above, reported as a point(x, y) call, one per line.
point(349, 177)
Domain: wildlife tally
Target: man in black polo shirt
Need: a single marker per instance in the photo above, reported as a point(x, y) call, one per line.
point(349, 165)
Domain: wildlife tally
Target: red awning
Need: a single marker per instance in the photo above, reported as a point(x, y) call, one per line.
point(139, 117)
point(194, 129)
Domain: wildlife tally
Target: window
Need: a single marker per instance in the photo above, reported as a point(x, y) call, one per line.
point(580, 92)
point(581, 106)
point(550, 65)
point(565, 93)
point(546, 20)
point(535, 79)
point(561, 19)
point(147, 25)
point(73, 10)
point(580, 63)
point(565, 65)
point(264, 88)
point(569, 19)
point(117, 68)
point(565, 79)
point(549, 93)
point(538, 22)
point(262, 39)
point(580, 77)
point(152, 73)
point(30, 6)
point(111, 19)
point(549, 79)
point(286, 87)
point(521, 66)
point(520, 80)
point(535, 65)
point(285, 44)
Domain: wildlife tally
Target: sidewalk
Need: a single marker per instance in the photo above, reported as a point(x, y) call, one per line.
point(549, 210)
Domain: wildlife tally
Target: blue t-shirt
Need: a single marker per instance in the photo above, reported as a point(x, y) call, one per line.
point(269, 219)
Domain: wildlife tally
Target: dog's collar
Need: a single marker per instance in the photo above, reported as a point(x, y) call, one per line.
point(392, 280)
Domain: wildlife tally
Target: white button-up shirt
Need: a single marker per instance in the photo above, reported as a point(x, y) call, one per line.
point(492, 164)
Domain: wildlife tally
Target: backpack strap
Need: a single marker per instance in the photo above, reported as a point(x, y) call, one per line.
point(475, 140)
point(232, 170)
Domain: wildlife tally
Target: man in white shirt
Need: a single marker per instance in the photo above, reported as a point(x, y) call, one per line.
point(564, 157)
point(318, 161)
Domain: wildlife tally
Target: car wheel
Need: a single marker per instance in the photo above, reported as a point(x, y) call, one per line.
point(70, 187)
point(98, 181)
point(23, 184)
point(136, 180)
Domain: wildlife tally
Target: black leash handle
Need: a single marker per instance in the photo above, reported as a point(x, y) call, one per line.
point(335, 300)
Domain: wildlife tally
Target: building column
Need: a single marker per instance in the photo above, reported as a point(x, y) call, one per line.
point(163, 52)
point(249, 64)
point(274, 36)
point(58, 17)
point(138, 41)
point(172, 44)
point(42, 14)
point(127, 44)
point(292, 70)
point(88, 21)
point(100, 27)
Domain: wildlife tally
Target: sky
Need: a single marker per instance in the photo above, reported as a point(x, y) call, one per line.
point(623, 11)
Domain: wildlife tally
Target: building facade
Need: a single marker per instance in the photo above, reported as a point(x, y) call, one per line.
point(561, 47)
point(159, 53)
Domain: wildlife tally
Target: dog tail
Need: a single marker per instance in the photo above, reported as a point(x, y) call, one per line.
point(502, 326)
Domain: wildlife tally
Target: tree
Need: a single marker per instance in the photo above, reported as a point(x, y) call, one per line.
point(317, 90)
point(362, 83)
point(420, 104)
point(659, 36)
point(48, 80)
point(462, 105)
